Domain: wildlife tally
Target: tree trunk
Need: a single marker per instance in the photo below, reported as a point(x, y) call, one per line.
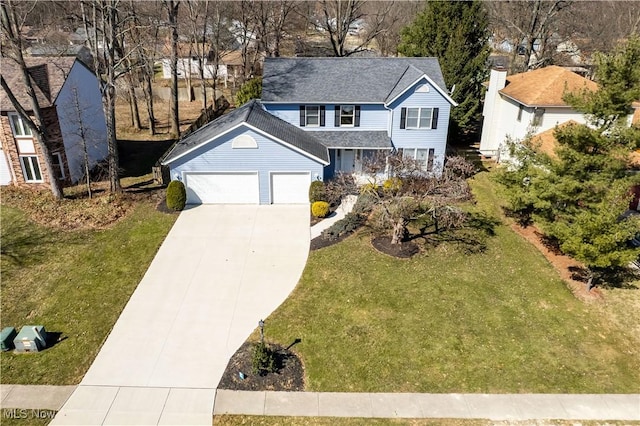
point(399, 231)
point(133, 102)
point(172, 9)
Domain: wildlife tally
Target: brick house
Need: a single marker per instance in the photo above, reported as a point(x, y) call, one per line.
point(70, 100)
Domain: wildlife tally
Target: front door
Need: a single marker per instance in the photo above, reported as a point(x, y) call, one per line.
point(348, 163)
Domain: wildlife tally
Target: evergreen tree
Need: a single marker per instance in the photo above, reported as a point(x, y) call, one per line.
point(578, 198)
point(252, 89)
point(455, 32)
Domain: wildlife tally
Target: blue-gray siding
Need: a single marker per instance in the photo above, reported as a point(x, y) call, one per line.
point(422, 138)
point(372, 116)
point(270, 156)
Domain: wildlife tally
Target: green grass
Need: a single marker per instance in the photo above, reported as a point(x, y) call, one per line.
point(448, 321)
point(75, 283)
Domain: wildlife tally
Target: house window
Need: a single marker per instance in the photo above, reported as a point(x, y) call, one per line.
point(312, 115)
point(347, 115)
point(58, 165)
point(419, 118)
point(19, 127)
point(520, 109)
point(31, 168)
point(425, 157)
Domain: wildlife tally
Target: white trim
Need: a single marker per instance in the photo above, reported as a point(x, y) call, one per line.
point(325, 103)
point(418, 127)
point(353, 115)
point(534, 105)
point(438, 89)
point(294, 172)
point(244, 123)
point(244, 141)
point(306, 115)
point(359, 147)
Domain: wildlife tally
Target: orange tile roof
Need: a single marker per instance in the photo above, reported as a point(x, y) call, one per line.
point(545, 86)
point(546, 142)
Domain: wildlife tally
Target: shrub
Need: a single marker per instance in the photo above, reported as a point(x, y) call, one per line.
point(317, 191)
point(263, 360)
point(347, 225)
point(393, 184)
point(364, 204)
point(320, 209)
point(252, 89)
point(176, 195)
point(369, 188)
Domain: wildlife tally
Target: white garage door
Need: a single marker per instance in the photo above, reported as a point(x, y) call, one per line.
point(290, 187)
point(222, 188)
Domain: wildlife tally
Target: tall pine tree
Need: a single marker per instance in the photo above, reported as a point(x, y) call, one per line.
point(578, 197)
point(455, 32)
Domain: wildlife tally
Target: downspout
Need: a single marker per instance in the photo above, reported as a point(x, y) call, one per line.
point(390, 133)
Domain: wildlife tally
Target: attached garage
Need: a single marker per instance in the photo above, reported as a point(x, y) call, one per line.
point(290, 187)
point(222, 188)
point(247, 157)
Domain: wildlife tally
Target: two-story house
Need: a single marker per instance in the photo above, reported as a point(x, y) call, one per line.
point(317, 117)
point(70, 100)
point(527, 104)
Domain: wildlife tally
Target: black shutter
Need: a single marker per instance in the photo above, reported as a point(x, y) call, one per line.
point(434, 119)
point(336, 122)
point(322, 108)
point(357, 118)
point(403, 118)
point(302, 116)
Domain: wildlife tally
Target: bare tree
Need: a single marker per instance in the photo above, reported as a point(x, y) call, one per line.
point(403, 191)
point(171, 6)
point(104, 24)
point(598, 26)
point(273, 18)
point(400, 14)
point(341, 17)
point(12, 49)
point(531, 27)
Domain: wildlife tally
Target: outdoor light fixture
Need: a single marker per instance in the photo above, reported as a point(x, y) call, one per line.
point(261, 325)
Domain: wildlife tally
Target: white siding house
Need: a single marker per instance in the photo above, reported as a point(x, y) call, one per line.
point(527, 104)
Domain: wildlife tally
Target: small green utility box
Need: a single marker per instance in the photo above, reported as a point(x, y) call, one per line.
point(6, 338)
point(32, 338)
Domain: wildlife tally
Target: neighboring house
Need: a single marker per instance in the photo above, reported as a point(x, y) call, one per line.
point(527, 104)
point(317, 117)
point(69, 96)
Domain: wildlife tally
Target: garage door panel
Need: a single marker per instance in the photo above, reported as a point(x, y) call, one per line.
point(222, 188)
point(290, 187)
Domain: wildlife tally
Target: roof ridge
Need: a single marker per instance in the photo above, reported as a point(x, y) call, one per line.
point(398, 81)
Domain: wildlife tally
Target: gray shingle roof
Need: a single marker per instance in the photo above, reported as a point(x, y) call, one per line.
point(339, 80)
point(48, 75)
point(253, 114)
point(354, 139)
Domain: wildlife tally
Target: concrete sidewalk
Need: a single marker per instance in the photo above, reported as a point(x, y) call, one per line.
point(517, 407)
point(443, 406)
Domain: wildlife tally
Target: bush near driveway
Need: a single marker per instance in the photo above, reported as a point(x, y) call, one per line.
point(500, 321)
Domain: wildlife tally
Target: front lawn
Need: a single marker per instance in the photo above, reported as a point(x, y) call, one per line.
point(447, 321)
point(74, 283)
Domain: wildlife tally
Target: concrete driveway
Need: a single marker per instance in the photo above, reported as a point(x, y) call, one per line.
point(220, 270)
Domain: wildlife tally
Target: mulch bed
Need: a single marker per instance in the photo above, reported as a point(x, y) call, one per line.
point(568, 268)
point(404, 250)
point(289, 377)
point(321, 242)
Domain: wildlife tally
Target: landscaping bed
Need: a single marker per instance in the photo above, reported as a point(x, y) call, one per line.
point(288, 377)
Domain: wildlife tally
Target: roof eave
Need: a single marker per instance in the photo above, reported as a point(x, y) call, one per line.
point(432, 83)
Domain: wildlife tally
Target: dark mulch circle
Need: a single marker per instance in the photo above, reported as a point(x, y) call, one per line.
point(403, 250)
point(162, 207)
point(289, 375)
